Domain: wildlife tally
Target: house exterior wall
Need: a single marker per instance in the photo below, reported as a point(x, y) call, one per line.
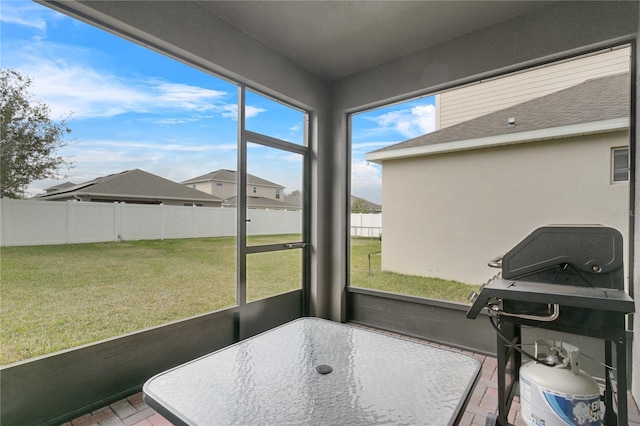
point(485, 96)
point(222, 190)
point(226, 190)
point(447, 215)
point(265, 191)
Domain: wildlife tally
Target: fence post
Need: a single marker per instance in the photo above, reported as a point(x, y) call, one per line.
point(117, 222)
point(68, 232)
point(162, 213)
point(193, 221)
point(3, 235)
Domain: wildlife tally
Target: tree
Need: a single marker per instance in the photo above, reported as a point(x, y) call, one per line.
point(358, 205)
point(29, 138)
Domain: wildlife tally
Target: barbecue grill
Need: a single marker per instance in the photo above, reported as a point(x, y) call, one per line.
point(563, 278)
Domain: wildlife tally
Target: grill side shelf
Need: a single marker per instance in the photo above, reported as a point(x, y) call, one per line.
point(528, 291)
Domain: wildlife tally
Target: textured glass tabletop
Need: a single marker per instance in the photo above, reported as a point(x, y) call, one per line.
point(273, 379)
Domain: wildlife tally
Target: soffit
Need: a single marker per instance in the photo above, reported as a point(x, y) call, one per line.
point(333, 39)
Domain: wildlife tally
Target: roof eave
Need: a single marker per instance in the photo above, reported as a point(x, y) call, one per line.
point(143, 197)
point(573, 130)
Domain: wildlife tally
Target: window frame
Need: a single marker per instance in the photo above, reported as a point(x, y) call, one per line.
point(614, 169)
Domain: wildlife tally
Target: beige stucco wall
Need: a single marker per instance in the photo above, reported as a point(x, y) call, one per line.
point(228, 190)
point(485, 96)
point(264, 191)
point(447, 215)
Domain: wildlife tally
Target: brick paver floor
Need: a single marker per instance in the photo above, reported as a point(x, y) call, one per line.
point(133, 411)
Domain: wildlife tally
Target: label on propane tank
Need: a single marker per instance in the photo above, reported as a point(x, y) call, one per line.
point(540, 406)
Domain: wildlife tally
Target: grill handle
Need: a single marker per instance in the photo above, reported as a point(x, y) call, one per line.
point(553, 315)
point(496, 263)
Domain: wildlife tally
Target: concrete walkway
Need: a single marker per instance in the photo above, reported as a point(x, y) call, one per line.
point(132, 411)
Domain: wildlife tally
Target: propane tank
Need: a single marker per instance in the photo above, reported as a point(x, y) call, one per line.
point(554, 391)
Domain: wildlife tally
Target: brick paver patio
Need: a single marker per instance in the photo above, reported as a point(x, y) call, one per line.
point(132, 411)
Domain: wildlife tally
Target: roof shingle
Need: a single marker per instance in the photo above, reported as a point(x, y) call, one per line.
point(597, 99)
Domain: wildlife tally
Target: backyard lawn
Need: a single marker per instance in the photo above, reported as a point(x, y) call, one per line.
point(61, 296)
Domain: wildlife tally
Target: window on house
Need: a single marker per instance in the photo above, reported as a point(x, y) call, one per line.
point(218, 183)
point(439, 238)
point(277, 194)
point(620, 164)
point(255, 190)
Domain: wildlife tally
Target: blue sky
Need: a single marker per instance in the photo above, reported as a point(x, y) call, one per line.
point(130, 107)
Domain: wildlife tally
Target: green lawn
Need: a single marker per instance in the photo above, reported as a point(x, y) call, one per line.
point(58, 297)
point(432, 288)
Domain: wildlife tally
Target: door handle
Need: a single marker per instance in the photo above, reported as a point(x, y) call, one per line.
point(295, 245)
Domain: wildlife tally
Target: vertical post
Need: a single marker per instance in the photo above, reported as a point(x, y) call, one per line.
point(118, 221)
point(610, 418)
point(509, 361)
point(162, 221)
point(3, 234)
point(621, 364)
point(305, 217)
point(241, 197)
point(69, 236)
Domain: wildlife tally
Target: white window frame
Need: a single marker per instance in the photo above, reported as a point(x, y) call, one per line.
point(619, 169)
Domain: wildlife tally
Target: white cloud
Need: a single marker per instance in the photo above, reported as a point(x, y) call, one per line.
point(68, 85)
point(88, 93)
point(231, 111)
point(410, 122)
point(161, 146)
point(84, 92)
point(172, 121)
point(23, 13)
point(104, 156)
point(365, 147)
point(184, 96)
point(366, 180)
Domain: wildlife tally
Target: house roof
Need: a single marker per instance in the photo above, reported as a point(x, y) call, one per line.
point(594, 106)
point(230, 176)
point(369, 204)
point(262, 203)
point(59, 186)
point(132, 184)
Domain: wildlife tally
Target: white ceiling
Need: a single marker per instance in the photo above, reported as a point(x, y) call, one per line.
point(333, 39)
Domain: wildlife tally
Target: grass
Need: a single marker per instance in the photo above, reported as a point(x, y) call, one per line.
point(429, 287)
point(58, 297)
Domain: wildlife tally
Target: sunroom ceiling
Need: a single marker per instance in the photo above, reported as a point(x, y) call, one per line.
point(334, 39)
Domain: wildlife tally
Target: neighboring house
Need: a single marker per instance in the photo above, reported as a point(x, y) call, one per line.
point(59, 187)
point(261, 193)
point(360, 205)
point(262, 203)
point(473, 100)
point(131, 186)
point(460, 196)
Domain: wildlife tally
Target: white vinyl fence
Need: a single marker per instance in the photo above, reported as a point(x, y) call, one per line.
point(31, 222)
point(366, 225)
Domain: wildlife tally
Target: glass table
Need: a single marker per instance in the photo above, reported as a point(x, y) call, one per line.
point(317, 372)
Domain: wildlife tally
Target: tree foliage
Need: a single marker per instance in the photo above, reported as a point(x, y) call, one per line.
point(358, 205)
point(29, 138)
